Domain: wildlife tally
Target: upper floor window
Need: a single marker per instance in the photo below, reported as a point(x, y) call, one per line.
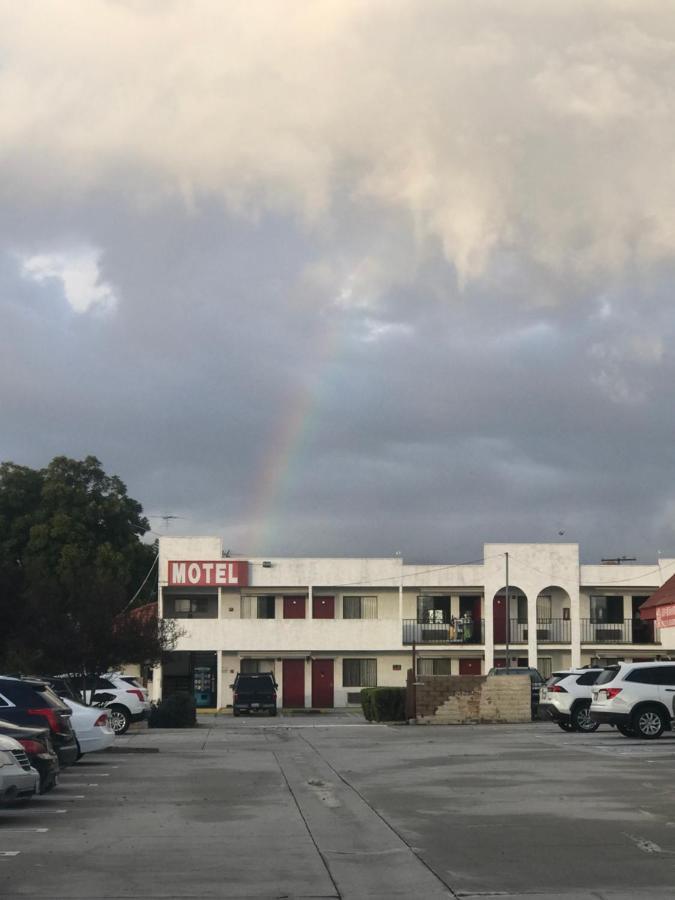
point(191, 607)
point(359, 607)
point(262, 607)
point(607, 609)
point(433, 609)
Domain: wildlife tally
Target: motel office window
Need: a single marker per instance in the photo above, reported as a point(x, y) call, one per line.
point(607, 609)
point(359, 607)
point(258, 607)
point(250, 666)
point(359, 673)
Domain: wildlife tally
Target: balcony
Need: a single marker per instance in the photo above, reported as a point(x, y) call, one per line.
point(415, 632)
point(627, 631)
point(549, 631)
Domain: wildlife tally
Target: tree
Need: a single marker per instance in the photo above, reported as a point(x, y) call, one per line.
point(71, 560)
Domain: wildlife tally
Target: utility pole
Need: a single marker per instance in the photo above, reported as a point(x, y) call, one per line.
point(508, 613)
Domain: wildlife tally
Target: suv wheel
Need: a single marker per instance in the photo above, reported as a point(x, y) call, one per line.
point(649, 722)
point(119, 719)
point(581, 718)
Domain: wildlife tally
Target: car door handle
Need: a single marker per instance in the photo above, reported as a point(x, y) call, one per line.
point(670, 690)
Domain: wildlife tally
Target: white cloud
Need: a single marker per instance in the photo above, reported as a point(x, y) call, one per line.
point(79, 273)
point(486, 125)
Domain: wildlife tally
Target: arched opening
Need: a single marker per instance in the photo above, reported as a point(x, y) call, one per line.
point(515, 615)
point(553, 616)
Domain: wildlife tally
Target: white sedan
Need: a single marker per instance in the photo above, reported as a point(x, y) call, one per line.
point(91, 726)
point(18, 779)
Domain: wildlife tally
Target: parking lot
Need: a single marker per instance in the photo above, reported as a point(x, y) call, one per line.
point(328, 806)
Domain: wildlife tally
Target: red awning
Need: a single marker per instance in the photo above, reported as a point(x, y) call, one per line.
point(665, 596)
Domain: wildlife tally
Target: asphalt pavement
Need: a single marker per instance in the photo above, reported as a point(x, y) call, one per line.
point(331, 807)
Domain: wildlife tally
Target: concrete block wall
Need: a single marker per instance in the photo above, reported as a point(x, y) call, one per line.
point(463, 699)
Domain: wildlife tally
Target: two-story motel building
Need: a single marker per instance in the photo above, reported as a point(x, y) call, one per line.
point(328, 627)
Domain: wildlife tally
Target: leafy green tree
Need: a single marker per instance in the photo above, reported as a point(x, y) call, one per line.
point(71, 562)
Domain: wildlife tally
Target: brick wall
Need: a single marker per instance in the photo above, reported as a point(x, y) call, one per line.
point(460, 699)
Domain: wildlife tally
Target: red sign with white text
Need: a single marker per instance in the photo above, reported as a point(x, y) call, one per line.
point(203, 573)
point(665, 616)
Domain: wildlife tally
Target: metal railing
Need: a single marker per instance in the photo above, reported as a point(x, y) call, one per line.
point(549, 631)
point(456, 632)
point(627, 631)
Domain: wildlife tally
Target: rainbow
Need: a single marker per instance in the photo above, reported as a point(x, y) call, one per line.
point(289, 437)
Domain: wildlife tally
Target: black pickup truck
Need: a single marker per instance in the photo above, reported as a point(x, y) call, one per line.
point(254, 693)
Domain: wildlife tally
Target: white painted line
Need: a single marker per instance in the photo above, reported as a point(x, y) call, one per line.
point(9, 852)
point(24, 830)
point(31, 809)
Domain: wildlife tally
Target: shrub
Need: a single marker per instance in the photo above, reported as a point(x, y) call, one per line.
point(367, 703)
point(177, 711)
point(383, 704)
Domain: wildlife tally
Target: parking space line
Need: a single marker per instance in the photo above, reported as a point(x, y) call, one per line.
point(29, 810)
point(9, 852)
point(23, 830)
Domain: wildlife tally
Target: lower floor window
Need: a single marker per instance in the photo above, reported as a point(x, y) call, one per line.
point(359, 673)
point(438, 666)
point(248, 666)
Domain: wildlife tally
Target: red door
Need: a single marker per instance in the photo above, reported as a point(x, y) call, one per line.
point(323, 608)
point(294, 683)
point(322, 683)
point(294, 607)
point(469, 666)
point(499, 621)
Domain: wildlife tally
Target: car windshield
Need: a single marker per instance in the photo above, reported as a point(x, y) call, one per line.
point(132, 681)
point(251, 683)
point(608, 675)
point(557, 676)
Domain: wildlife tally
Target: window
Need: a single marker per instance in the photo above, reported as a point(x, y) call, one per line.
point(266, 607)
point(522, 610)
point(359, 673)
point(191, 606)
point(545, 666)
point(434, 666)
point(544, 608)
point(255, 666)
point(433, 609)
point(653, 675)
point(359, 607)
point(258, 607)
point(588, 678)
point(606, 609)
point(608, 675)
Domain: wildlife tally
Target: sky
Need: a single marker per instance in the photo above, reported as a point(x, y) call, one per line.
point(347, 277)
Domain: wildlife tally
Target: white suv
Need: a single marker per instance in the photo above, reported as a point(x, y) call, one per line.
point(636, 697)
point(566, 698)
point(129, 702)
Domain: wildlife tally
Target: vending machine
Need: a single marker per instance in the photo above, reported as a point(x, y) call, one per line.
point(204, 686)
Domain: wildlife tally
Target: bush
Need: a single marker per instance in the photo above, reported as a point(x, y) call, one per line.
point(383, 704)
point(367, 703)
point(177, 711)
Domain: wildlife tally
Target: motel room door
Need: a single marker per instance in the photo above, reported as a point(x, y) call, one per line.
point(469, 666)
point(322, 683)
point(293, 673)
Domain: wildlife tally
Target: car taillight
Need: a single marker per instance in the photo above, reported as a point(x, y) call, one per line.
point(612, 692)
point(32, 746)
point(138, 693)
point(102, 720)
point(557, 689)
point(50, 715)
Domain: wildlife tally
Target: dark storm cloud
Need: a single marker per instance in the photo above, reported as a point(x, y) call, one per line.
point(412, 296)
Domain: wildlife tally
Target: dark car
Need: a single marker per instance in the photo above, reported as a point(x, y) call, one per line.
point(37, 743)
point(29, 701)
point(536, 682)
point(255, 692)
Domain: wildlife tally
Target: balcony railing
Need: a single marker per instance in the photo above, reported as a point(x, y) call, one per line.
point(459, 632)
point(549, 631)
point(627, 631)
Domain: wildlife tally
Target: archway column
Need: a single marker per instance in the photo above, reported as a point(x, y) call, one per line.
point(532, 649)
point(575, 626)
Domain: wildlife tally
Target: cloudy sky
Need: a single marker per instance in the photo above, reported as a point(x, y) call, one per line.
point(347, 277)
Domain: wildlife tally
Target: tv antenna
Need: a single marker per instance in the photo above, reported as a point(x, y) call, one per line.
point(166, 519)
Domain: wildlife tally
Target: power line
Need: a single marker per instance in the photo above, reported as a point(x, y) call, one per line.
point(154, 563)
